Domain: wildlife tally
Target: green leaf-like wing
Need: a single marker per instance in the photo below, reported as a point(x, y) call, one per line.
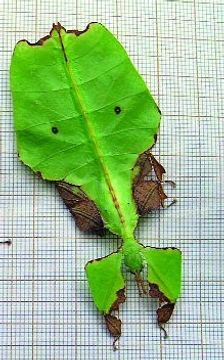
point(83, 115)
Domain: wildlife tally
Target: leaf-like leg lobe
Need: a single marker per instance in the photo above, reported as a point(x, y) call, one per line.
point(144, 165)
point(163, 315)
point(164, 312)
point(149, 196)
point(114, 326)
point(154, 292)
point(108, 288)
point(157, 167)
point(166, 308)
point(164, 277)
point(148, 193)
point(120, 300)
point(112, 322)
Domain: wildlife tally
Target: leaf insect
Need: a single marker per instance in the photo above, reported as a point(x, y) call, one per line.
point(85, 119)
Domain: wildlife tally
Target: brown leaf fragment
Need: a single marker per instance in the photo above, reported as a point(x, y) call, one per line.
point(120, 300)
point(158, 168)
point(114, 326)
point(163, 315)
point(38, 173)
point(154, 292)
point(68, 195)
point(112, 322)
point(87, 216)
point(144, 165)
point(164, 312)
point(149, 196)
point(85, 212)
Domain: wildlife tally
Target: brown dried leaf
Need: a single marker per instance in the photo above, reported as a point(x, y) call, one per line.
point(158, 168)
point(83, 209)
point(154, 292)
point(87, 216)
point(68, 195)
point(144, 165)
point(113, 325)
point(149, 196)
point(120, 299)
point(164, 312)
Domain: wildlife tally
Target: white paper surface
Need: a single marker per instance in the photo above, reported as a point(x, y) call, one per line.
point(46, 307)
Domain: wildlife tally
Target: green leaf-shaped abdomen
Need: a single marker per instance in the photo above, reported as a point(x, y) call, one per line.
point(83, 115)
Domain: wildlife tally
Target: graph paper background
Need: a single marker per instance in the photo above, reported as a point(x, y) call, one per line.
point(46, 308)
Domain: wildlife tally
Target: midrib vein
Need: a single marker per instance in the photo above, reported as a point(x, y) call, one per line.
point(90, 131)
